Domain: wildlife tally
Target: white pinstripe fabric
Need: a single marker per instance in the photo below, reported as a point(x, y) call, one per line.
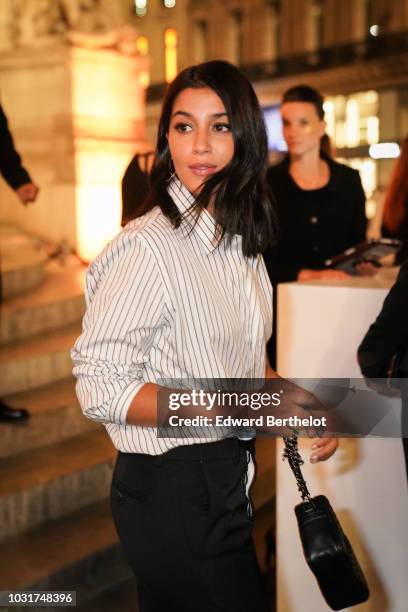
point(165, 303)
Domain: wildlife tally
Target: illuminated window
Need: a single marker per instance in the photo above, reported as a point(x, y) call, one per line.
point(330, 118)
point(373, 129)
point(170, 53)
point(353, 120)
point(142, 45)
point(352, 123)
point(368, 174)
point(141, 7)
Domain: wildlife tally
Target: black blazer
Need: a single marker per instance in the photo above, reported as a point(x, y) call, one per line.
point(10, 161)
point(314, 225)
point(389, 333)
point(400, 234)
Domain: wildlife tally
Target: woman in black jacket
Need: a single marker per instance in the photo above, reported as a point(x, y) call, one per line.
point(388, 336)
point(321, 203)
point(395, 220)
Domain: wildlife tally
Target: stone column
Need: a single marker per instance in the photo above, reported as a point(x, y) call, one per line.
point(78, 116)
point(7, 31)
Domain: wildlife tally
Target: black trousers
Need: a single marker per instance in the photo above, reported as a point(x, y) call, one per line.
point(184, 525)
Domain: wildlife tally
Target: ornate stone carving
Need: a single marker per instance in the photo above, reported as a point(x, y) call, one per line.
point(7, 25)
point(94, 23)
point(38, 21)
point(92, 16)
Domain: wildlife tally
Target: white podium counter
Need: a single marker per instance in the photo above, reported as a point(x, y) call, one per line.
point(320, 326)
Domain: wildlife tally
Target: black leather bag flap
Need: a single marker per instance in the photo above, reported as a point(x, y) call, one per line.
point(330, 555)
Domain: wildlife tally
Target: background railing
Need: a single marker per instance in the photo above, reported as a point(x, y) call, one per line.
point(377, 47)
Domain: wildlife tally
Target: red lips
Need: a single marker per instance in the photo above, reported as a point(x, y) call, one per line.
point(202, 169)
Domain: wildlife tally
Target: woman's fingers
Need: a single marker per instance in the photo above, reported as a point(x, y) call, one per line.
point(366, 268)
point(323, 449)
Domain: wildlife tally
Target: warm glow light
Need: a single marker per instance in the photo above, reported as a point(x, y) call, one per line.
point(170, 46)
point(373, 126)
point(142, 45)
point(374, 30)
point(330, 118)
point(98, 199)
point(370, 96)
point(340, 140)
point(368, 175)
point(105, 100)
point(169, 3)
point(144, 79)
point(370, 209)
point(384, 150)
point(352, 123)
point(97, 218)
point(141, 7)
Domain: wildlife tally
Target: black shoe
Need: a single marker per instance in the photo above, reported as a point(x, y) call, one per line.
point(12, 415)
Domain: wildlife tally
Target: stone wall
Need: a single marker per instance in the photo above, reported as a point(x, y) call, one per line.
point(76, 110)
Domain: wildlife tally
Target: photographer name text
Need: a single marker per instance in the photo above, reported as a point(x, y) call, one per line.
point(260, 421)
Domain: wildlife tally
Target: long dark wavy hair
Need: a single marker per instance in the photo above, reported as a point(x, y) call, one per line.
point(242, 204)
point(305, 93)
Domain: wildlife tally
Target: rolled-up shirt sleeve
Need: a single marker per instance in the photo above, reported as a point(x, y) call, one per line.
point(125, 310)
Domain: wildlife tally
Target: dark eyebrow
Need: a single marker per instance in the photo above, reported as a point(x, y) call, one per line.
point(185, 114)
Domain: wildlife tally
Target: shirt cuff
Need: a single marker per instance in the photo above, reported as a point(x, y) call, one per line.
point(121, 403)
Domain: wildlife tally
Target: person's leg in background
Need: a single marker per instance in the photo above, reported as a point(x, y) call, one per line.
point(7, 413)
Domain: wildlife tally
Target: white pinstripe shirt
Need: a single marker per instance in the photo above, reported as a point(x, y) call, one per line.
point(165, 303)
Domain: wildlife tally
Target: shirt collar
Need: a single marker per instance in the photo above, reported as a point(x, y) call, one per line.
point(205, 226)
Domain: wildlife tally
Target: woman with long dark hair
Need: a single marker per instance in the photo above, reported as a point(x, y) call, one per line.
point(395, 217)
point(385, 348)
point(321, 203)
point(182, 294)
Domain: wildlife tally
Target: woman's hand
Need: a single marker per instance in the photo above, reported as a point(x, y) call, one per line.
point(300, 402)
point(27, 193)
point(306, 275)
point(366, 268)
point(323, 449)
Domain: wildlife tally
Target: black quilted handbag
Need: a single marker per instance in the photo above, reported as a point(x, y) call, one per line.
point(327, 550)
